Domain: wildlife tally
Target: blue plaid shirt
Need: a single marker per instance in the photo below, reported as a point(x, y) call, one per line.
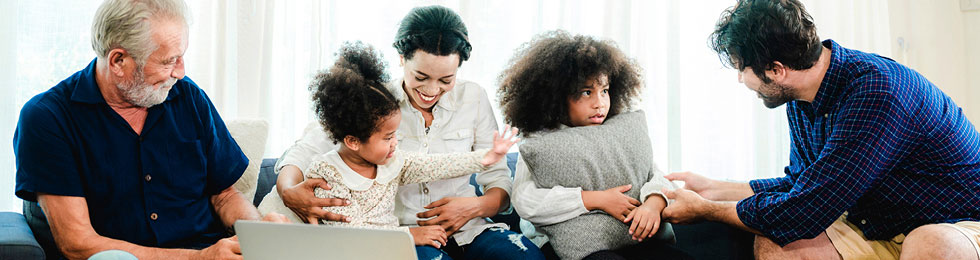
point(879, 142)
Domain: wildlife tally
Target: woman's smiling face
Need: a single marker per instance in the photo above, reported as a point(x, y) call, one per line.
point(428, 77)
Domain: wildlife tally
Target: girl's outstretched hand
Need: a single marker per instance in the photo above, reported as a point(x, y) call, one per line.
point(501, 143)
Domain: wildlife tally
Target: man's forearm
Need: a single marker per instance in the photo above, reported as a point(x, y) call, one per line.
point(726, 212)
point(95, 244)
point(232, 206)
point(731, 191)
point(68, 219)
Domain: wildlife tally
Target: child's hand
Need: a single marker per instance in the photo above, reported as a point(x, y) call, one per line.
point(612, 201)
point(429, 236)
point(501, 143)
point(646, 218)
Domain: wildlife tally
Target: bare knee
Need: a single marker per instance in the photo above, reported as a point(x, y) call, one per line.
point(937, 242)
point(816, 248)
point(766, 249)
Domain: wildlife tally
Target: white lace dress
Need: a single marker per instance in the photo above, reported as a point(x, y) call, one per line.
point(373, 200)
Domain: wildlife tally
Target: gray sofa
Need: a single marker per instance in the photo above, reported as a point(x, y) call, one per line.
point(28, 237)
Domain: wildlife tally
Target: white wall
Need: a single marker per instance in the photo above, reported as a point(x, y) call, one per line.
point(972, 28)
point(939, 40)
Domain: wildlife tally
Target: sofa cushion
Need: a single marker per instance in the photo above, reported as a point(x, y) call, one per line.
point(17, 241)
point(250, 134)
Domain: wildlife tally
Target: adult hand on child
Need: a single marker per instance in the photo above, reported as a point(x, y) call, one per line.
point(612, 201)
point(451, 212)
point(688, 207)
point(501, 144)
point(429, 236)
point(300, 199)
point(646, 218)
point(712, 189)
point(696, 183)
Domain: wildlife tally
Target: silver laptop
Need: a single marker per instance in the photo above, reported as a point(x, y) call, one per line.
point(264, 240)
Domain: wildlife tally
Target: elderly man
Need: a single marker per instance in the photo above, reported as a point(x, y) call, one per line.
point(128, 154)
point(883, 164)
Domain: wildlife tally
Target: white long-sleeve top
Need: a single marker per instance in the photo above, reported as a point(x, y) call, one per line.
point(463, 121)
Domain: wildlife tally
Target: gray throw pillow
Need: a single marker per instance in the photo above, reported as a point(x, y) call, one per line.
point(616, 153)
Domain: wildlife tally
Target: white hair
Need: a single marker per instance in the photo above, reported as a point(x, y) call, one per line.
point(125, 24)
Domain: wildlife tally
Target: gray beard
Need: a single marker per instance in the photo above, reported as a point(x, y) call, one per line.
point(138, 93)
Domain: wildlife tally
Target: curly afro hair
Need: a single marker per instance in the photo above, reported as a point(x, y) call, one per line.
point(350, 98)
point(547, 71)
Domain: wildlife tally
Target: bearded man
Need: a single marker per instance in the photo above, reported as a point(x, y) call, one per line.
point(130, 155)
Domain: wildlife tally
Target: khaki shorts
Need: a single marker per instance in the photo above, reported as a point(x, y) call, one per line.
point(851, 243)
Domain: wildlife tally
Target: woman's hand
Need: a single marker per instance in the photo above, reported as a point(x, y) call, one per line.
point(612, 201)
point(429, 236)
point(451, 212)
point(501, 144)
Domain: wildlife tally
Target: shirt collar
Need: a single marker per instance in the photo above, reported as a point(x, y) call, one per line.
point(834, 80)
point(447, 101)
point(87, 89)
point(354, 181)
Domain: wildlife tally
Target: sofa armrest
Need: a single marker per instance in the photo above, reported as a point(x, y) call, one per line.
point(16, 239)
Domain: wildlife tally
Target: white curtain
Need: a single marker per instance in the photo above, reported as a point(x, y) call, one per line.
point(255, 59)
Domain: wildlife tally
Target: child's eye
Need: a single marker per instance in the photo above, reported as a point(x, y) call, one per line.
point(587, 93)
point(444, 81)
point(605, 91)
point(419, 79)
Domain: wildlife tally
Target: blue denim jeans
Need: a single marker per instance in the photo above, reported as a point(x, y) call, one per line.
point(493, 243)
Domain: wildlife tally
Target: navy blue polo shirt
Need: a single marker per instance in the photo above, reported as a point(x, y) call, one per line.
point(151, 189)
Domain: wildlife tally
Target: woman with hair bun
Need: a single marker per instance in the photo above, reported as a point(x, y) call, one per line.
point(440, 114)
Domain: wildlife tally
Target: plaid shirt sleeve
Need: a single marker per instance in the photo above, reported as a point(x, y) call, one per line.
point(867, 139)
point(778, 184)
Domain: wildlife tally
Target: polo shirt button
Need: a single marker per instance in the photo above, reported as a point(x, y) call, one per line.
point(141, 139)
point(864, 222)
point(153, 216)
point(148, 177)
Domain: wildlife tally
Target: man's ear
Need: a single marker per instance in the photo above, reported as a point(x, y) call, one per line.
point(117, 59)
point(778, 72)
point(401, 60)
point(352, 143)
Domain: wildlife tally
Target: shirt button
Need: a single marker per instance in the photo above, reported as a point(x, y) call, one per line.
point(425, 144)
point(147, 177)
point(141, 139)
point(153, 216)
point(864, 222)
